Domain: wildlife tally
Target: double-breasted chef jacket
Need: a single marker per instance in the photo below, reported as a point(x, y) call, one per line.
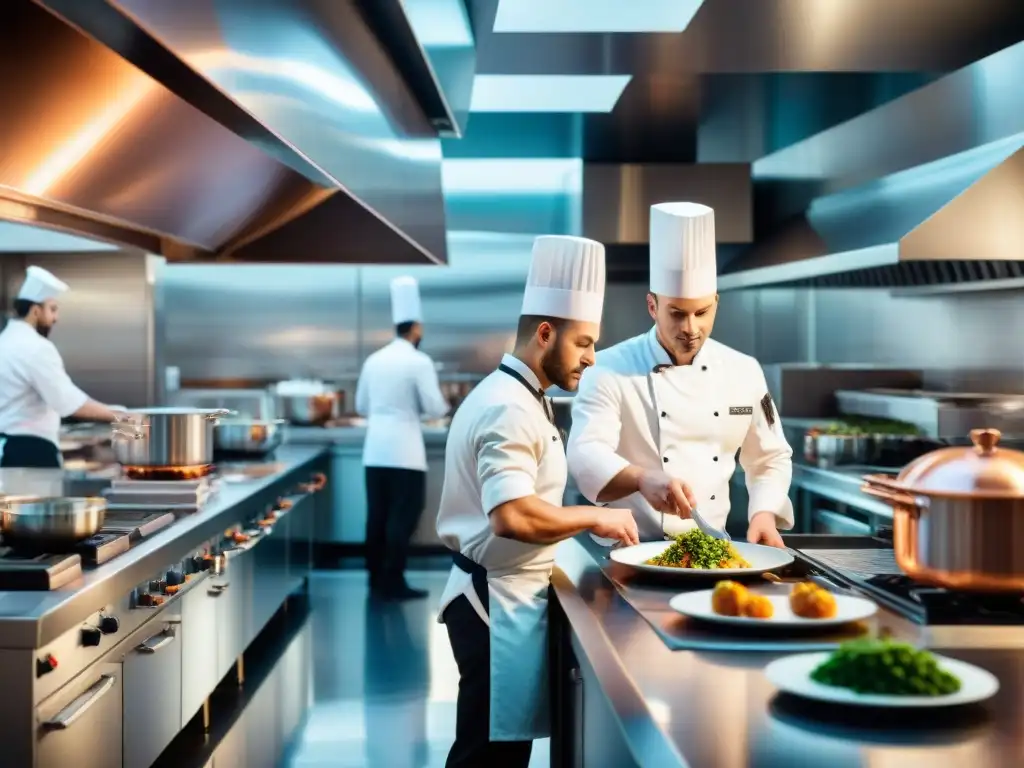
point(635, 407)
point(503, 446)
point(35, 389)
point(397, 388)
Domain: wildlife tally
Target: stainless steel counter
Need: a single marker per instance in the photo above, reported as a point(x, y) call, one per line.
point(642, 704)
point(354, 435)
point(840, 484)
point(32, 619)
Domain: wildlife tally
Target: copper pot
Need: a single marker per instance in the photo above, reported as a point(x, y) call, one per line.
point(958, 515)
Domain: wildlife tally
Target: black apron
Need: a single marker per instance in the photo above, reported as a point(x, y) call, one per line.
point(463, 563)
point(28, 452)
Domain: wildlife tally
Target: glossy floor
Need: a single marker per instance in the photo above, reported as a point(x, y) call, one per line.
point(385, 681)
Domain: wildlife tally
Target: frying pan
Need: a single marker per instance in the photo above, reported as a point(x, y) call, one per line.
point(50, 523)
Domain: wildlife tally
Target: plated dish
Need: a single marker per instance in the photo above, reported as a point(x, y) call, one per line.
point(807, 605)
point(688, 553)
point(882, 673)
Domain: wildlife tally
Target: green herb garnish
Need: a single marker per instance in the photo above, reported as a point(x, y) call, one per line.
point(885, 667)
point(695, 549)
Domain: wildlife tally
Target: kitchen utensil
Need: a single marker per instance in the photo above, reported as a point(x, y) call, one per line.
point(50, 523)
point(697, 605)
point(760, 557)
point(248, 436)
point(958, 515)
point(166, 437)
point(706, 527)
point(792, 674)
point(310, 409)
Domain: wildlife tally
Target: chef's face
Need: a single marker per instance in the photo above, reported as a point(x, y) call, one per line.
point(683, 324)
point(45, 317)
point(568, 352)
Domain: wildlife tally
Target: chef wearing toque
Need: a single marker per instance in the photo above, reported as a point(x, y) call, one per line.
point(501, 509)
point(397, 388)
point(35, 390)
point(658, 421)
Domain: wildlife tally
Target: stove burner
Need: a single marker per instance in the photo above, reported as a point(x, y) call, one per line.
point(168, 473)
point(935, 605)
point(20, 571)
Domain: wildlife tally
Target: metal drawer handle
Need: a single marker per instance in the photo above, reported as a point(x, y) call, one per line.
point(217, 590)
point(162, 640)
point(67, 716)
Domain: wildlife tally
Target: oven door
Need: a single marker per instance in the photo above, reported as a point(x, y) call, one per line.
point(152, 692)
point(80, 725)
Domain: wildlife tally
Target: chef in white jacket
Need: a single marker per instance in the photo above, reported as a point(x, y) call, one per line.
point(501, 509)
point(397, 388)
point(656, 424)
point(35, 390)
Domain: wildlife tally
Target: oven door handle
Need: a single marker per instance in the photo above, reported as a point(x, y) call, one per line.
point(67, 716)
point(156, 642)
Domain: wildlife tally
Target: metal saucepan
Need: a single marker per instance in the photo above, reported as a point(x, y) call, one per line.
point(958, 515)
point(310, 409)
point(50, 523)
point(166, 437)
point(826, 449)
point(248, 436)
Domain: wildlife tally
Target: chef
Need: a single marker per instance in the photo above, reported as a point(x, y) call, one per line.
point(397, 388)
point(35, 390)
point(658, 421)
point(501, 513)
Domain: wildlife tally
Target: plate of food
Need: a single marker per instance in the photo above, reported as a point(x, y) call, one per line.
point(694, 553)
point(807, 605)
point(882, 673)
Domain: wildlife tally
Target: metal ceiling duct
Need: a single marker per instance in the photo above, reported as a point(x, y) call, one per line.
point(925, 190)
point(108, 134)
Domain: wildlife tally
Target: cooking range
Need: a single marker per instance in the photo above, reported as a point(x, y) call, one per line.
point(140, 504)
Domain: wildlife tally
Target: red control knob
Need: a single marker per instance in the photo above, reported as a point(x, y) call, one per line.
point(45, 665)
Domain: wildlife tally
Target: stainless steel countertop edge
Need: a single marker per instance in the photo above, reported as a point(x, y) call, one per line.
point(33, 619)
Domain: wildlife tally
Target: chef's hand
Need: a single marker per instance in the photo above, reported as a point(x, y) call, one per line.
point(762, 530)
point(667, 494)
point(616, 524)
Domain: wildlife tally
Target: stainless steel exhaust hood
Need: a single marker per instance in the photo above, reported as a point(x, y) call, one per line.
point(123, 142)
point(926, 190)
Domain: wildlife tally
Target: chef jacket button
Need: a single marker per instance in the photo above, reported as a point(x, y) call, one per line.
point(716, 413)
point(716, 458)
point(703, 367)
point(712, 497)
point(663, 414)
point(554, 439)
point(665, 459)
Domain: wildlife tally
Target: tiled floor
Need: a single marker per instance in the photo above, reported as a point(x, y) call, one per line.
point(385, 681)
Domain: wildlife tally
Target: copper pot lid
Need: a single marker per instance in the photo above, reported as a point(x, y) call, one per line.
point(982, 470)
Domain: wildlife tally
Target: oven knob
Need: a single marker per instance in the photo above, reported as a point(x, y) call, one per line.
point(174, 578)
point(46, 665)
point(91, 636)
point(109, 625)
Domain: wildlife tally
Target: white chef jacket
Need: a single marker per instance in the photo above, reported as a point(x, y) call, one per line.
point(688, 421)
point(35, 390)
point(501, 447)
point(397, 387)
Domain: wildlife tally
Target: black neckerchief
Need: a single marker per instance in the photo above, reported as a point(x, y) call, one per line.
point(538, 394)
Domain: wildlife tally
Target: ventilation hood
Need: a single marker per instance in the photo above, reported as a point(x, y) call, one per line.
point(926, 190)
point(295, 141)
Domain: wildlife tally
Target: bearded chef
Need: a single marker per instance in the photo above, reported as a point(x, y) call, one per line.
point(658, 421)
point(397, 388)
point(35, 390)
point(501, 509)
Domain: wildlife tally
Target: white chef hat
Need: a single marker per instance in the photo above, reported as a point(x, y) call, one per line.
point(405, 301)
point(566, 279)
point(683, 250)
point(40, 285)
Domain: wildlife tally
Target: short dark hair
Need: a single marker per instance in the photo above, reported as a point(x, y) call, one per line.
point(528, 325)
point(23, 306)
point(403, 329)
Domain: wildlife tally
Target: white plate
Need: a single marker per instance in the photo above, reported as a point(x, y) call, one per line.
point(697, 605)
point(761, 558)
point(792, 674)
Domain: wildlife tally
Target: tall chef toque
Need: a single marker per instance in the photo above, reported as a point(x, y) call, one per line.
point(405, 301)
point(566, 279)
point(40, 286)
point(683, 250)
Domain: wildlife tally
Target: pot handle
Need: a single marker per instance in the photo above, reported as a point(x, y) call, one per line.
point(219, 413)
point(883, 488)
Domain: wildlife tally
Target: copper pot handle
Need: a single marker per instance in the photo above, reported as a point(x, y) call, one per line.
point(883, 488)
point(316, 483)
point(985, 440)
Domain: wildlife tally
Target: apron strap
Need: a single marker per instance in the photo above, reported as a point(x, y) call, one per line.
point(479, 574)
